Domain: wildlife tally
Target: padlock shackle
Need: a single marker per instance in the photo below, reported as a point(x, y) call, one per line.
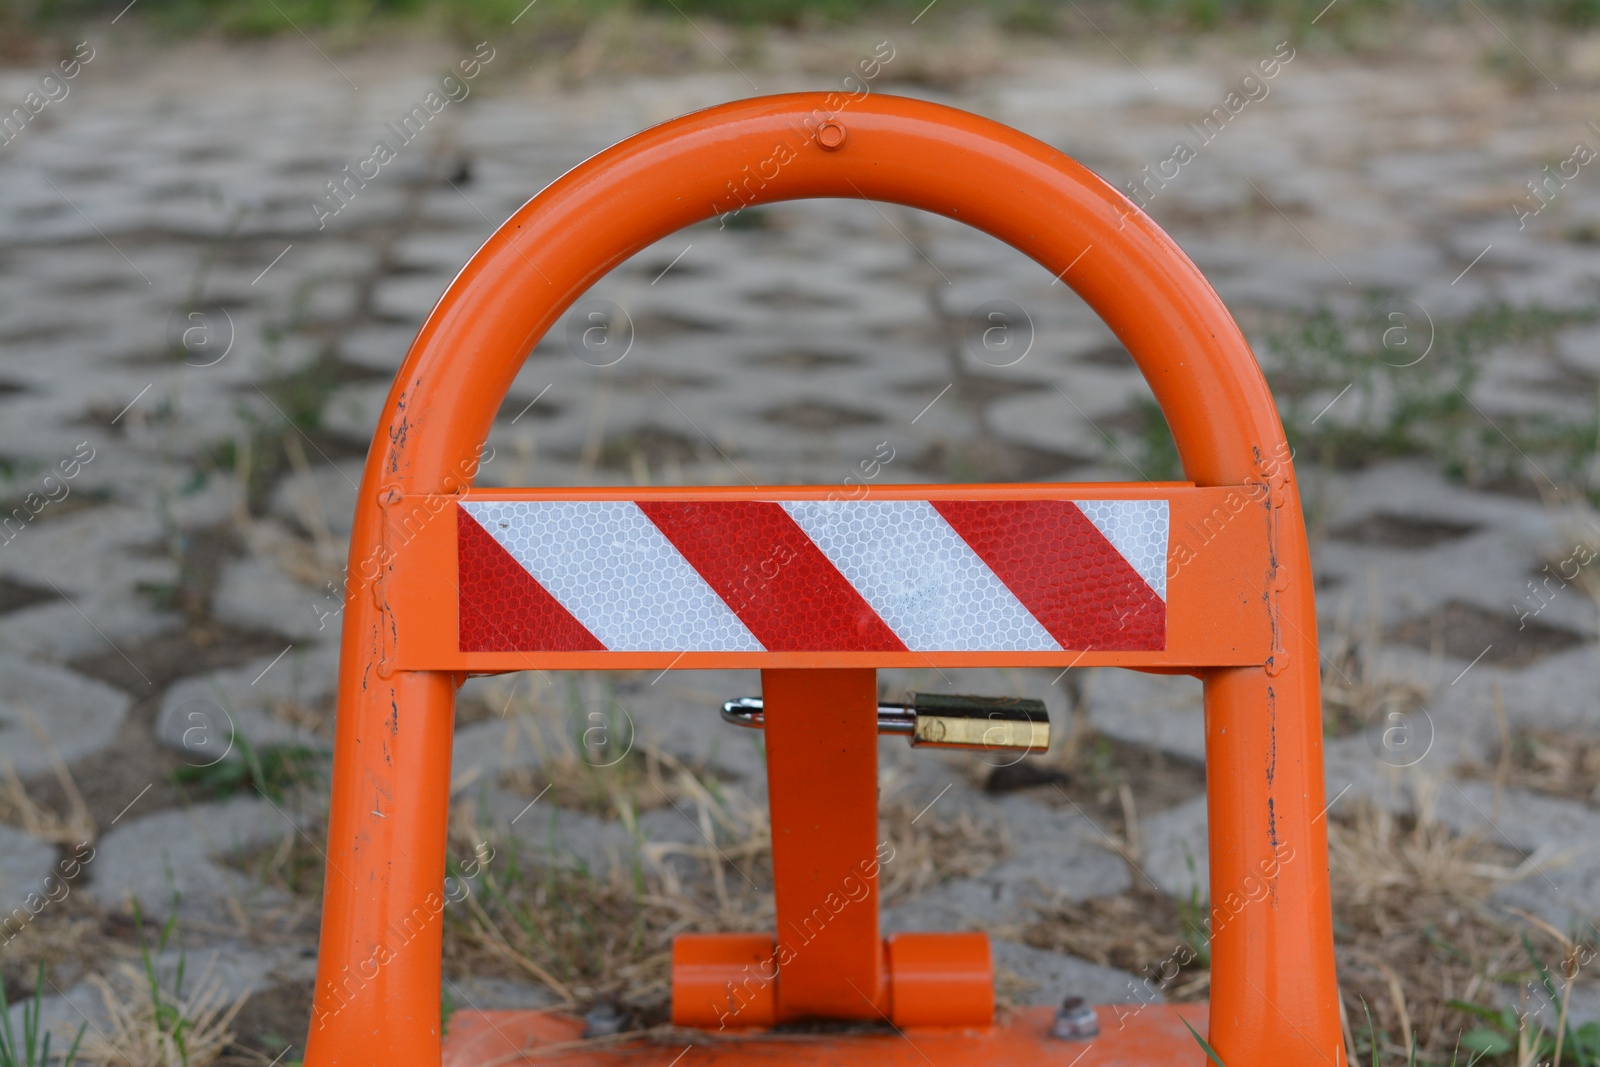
point(1274, 997)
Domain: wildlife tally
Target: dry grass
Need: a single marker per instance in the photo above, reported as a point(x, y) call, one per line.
point(1413, 927)
point(317, 559)
point(610, 780)
point(66, 929)
point(68, 932)
point(149, 1027)
point(938, 847)
point(1355, 695)
point(590, 935)
point(1414, 930)
point(1555, 762)
point(581, 936)
point(586, 933)
point(1141, 931)
point(316, 720)
point(71, 827)
point(1574, 560)
point(291, 863)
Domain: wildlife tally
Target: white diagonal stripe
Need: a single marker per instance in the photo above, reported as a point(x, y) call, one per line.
point(1138, 530)
point(920, 577)
point(609, 565)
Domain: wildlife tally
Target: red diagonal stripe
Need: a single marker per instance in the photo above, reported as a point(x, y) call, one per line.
point(1064, 571)
point(503, 608)
point(767, 570)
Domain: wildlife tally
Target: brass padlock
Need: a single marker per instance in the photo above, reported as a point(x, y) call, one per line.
point(941, 720)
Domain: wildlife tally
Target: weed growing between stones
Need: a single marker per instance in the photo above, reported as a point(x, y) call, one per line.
point(592, 935)
point(1507, 1032)
point(1410, 387)
point(1423, 957)
point(1356, 691)
point(599, 928)
point(34, 1048)
point(1557, 763)
point(276, 439)
point(582, 935)
point(1422, 953)
point(270, 770)
point(18, 808)
point(1361, 386)
point(152, 1021)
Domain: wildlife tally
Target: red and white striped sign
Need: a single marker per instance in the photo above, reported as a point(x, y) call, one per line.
point(812, 575)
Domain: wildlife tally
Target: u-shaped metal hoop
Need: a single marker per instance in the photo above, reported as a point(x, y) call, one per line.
point(1274, 998)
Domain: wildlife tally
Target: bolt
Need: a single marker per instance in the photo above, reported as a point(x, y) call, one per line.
point(603, 1020)
point(830, 135)
point(1075, 1021)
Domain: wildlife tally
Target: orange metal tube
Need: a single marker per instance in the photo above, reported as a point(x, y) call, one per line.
point(724, 981)
point(940, 979)
point(1274, 998)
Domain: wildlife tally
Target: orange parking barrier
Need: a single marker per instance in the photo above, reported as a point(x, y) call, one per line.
point(1210, 576)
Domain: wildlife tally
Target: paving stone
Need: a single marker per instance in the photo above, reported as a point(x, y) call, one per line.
point(1051, 977)
point(1583, 1006)
point(484, 751)
point(210, 717)
point(322, 498)
point(1559, 836)
point(47, 712)
point(381, 349)
point(148, 859)
point(1175, 850)
point(25, 863)
point(412, 296)
point(85, 549)
point(561, 836)
point(481, 993)
point(1164, 712)
point(354, 410)
point(60, 629)
point(257, 594)
point(1056, 854)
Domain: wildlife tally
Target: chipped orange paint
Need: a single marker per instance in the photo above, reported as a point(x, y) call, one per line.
point(1273, 992)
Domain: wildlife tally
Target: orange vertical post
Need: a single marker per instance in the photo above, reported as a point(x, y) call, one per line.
point(822, 780)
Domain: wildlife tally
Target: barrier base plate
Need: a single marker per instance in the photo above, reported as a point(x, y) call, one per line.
point(1153, 1036)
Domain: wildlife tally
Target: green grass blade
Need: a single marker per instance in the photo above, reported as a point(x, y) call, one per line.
point(8, 1041)
point(1210, 1052)
point(72, 1053)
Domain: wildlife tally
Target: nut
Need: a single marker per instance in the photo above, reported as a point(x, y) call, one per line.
point(1075, 1021)
point(604, 1020)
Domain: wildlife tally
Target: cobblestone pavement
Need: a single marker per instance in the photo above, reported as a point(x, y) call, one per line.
point(191, 362)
